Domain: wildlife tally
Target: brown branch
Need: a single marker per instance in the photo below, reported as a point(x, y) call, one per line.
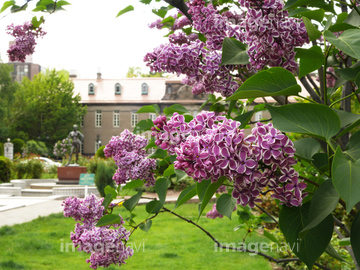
point(309, 181)
point(342, 226)
point(240, 249)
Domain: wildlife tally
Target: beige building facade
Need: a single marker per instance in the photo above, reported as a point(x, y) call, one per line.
point(112, 104)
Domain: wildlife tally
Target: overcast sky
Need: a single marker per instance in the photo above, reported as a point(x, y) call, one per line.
point(88, 37)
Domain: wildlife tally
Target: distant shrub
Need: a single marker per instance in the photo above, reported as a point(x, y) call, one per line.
point(37, 148)
point(103, 176)
point(100, 152)
point(5, 169)
point(30, 168)
point(1, 149)
point(18, 145)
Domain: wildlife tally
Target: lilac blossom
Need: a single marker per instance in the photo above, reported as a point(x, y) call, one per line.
point(24, 40)
point(106, 245)
point(211, 146)
point(129, 154)
point(271, 35)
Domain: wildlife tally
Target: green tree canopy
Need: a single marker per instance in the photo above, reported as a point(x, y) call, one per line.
point(47, 108)
point(8, 89)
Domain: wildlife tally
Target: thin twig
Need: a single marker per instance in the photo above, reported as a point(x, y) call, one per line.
point(266, 212)
point(342, 226)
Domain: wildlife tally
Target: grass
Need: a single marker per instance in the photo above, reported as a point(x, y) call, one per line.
point(171, 243)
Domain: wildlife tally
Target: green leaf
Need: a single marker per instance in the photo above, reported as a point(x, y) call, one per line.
point(345, 175)
point(272, 82)
point(321, 162)
point(110, 190)
point(186, 195)
point(176, 108)
point(348, 42)
point(39, 8)
point(323, 203)
point(309, 248)
point(159, 153)
point(133, 184)
point(6, 5)
point(345, 241)
point(143, 125)
point(130, 204)
point(332, 252)
point(357, 80)
point(209, 193)
point(161, 186)
point(180, 175)
point(149, 109)
point(234, 52)
point(169, 171)
point(313, 119)
point(355, 237)
point(146, 226)
point(310, 60)
point(346, 118)
point(317, 15)
point(297, 3)
point(108, 219)
point(244, 118)
point(225, 205)
point(347, 129)
point(306, 148)
point(353, 18)
point(201, 188)
point(270, 236)
point(349, 74)
point(123, 11)
point(62, 3)
point(353, 146)
point(313, 33)
point(107, 200)
point(160, 12)
point(153, 207)
point(339, 27)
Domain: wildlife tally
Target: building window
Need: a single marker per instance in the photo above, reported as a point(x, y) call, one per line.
point(81, 150)
point(134, 118)
point(117, 89)
point(168, 89)
point(98, 119)
point(258, 116)
point(91, 89)
point(116, 118)
point(97, 145)
point(81, 119)
point(144, 89)
point(152, 116)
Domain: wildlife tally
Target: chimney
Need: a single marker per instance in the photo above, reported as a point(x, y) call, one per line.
point(98, 78)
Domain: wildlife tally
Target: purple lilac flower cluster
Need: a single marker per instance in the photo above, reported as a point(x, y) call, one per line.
point(24, 40)
point(211, 146)
point(61, 147)
point(271, 34)
point(106, 246)
point(129, 154)
point(199, 61)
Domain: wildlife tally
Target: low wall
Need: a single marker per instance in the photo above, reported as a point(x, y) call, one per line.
point(75, 191)
point(13, 191)
point(25, 183)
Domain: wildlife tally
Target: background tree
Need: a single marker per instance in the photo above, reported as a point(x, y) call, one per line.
point(134, 72)
point(8, 88)
point(46, 108)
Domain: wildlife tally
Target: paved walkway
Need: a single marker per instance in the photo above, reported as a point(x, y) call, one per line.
point(15, 210)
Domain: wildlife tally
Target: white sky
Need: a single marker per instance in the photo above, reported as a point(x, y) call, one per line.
point(88, 37)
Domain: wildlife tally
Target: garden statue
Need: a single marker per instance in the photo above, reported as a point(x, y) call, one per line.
point(76, 141)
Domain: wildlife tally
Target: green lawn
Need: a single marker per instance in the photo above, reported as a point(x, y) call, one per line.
point(171, 243)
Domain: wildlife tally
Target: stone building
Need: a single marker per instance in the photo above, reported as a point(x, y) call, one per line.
point(112, 104)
